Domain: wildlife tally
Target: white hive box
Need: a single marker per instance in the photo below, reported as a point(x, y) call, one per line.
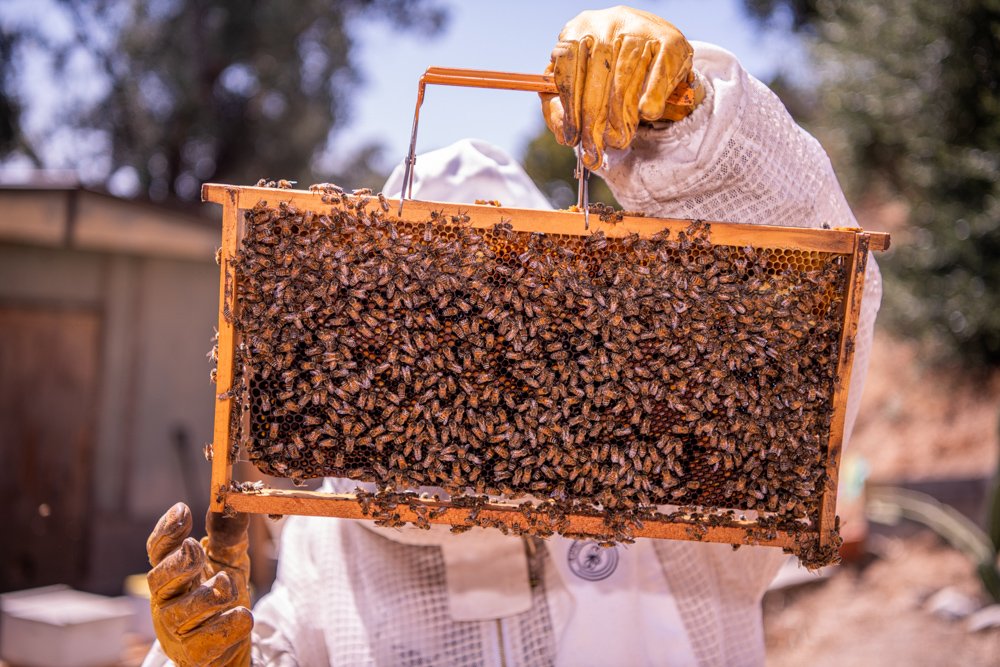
point(56, 626)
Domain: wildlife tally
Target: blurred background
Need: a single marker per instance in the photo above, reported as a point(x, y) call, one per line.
point(114, 112)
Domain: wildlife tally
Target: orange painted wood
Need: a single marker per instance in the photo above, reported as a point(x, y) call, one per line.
point(314, 503)
point(682, 95)
point(857, 263)
point(566, 222)
point(854, 244)
point(221, 467)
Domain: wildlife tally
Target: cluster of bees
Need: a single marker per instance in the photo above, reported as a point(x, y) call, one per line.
point(586, 372)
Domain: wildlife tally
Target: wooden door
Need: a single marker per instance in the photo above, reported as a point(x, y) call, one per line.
point(48, 387)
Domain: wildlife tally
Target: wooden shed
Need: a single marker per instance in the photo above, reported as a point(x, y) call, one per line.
point(107, 309)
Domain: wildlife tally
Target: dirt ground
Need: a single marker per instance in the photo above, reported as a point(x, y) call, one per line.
point(917, 422)
point(875, 614)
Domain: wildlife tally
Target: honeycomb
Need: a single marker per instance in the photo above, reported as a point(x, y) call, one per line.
point(595, 373)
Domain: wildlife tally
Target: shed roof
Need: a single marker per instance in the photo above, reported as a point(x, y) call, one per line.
point(74, 217)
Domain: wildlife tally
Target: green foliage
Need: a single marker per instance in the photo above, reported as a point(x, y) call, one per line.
point(803, 12)
point(551, 165)
point(909, 99)
point(227, 90)
point(10, 127)
point(989, 577)
point(993, 514)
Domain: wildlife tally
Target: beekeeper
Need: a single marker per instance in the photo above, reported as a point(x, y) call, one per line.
point(348, 593)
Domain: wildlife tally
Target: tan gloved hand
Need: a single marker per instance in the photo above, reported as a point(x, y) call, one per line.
point(613, 68)
point(198, 592)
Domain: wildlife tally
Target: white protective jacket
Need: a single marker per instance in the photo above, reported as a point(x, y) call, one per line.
point(348, 593)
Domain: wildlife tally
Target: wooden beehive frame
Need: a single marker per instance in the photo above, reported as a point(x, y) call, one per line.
point(853, 244)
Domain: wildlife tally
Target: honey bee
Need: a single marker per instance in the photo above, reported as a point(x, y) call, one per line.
point(531, 355)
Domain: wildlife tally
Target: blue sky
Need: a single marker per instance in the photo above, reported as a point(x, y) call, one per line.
point(517, 36)
point(509, 35)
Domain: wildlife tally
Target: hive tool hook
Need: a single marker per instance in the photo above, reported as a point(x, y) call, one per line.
point(583, 198)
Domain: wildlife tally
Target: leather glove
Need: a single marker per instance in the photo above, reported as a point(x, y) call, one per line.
point(198, 592)
point(613, 68)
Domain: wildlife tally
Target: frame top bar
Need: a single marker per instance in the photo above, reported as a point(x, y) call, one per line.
point(840, 240)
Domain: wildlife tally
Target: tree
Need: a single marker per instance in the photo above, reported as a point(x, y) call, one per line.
point(206, 89)
point(803, 13)
point(909, 97)
point(11, 136)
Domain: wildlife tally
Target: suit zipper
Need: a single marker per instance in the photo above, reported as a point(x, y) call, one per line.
point(503, 657)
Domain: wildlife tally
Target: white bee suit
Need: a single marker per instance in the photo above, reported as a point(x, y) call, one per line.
point(606, 606)
point(350, 594)
point(623, 612)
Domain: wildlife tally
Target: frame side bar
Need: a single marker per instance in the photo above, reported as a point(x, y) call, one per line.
point(857, 265)
point(221, 467)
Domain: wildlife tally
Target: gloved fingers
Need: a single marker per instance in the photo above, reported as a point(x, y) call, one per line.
point(227, 538)
point(633, 55)
point(175, 573)
point(552, 109)
point(204, 601)
point(172, 528)
point(569, 64)
point(218, 635)
point(596, 91)
point(669, 68)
